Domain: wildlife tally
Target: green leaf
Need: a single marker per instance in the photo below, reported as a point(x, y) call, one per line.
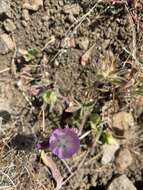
point(94, 120)
point(31, 54)
point(107, 138)
point(33, 51)
point(50, 97)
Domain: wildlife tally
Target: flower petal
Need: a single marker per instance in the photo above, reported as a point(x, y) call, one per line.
point(64, 143)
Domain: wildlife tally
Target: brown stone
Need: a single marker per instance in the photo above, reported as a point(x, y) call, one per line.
point(123, 160)
point(121, 122)
point(6, 44)
point(121, 183)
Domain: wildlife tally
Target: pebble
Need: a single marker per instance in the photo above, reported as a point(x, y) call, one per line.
point(74, 9)
point(61, 3)
point(121, 183)
point(71, 18)
point(123, 160)
point(24, 23)
point(25, 14)
point(35, 5)
point(109, 151)
point(68, 42)
point(83, 43)
point(9, 25)
point(122, 122)
point(6, 44)
point(5, 8)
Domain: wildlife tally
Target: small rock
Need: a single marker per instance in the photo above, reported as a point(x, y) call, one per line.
point(123, 160)
point(71, 18)
point(68, 42)
point(121, 183)
point(61, 3)
point(83, 43)
point(121, 122)
point(74, 9)
point(9, 25)
point(24, 23)
point(109, 151)
point(25, 14)
point(5, 8)
point(6, 44)
point(34, 6)
point(56, 62)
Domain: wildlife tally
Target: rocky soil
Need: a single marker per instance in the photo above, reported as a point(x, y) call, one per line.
point(90, 53)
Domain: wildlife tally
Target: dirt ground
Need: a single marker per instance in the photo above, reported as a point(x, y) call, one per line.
point(62, 31)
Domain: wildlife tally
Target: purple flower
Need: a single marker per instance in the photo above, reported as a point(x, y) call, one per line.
point(64, 143)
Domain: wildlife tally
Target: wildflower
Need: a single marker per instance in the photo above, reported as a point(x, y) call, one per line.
point(64, 143)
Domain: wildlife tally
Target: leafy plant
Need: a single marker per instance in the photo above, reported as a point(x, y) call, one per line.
point(79, 111)
point(97, 125)
point(29, 54)
point(107, 138)
point(94, 120)
point(107, 70)
point(50, 97)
